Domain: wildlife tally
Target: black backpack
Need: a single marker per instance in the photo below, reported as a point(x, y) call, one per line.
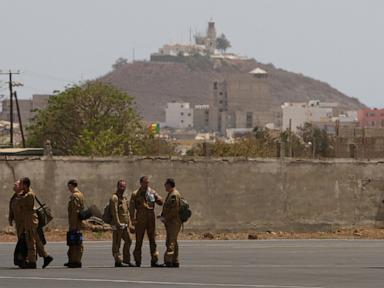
point(185, 211)
point(107, 216)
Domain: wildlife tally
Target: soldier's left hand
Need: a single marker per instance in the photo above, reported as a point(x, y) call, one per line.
point(123, 226)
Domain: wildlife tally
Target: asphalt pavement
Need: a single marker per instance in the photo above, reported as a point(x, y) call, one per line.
point(257, 263)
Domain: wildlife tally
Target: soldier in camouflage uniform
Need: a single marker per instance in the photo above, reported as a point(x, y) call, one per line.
point(14, 209)
point(74, 236)
point(170, 216)
point(30, 224)
point(15, 215)
point(121, 225)
point(142, 212)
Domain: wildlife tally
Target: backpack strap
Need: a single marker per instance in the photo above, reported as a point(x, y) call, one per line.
point(38, 201)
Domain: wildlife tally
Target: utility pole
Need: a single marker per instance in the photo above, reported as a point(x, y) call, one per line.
point(20, 122)
point(10, 73)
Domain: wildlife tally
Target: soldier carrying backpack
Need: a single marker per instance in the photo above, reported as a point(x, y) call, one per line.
point(175, 212)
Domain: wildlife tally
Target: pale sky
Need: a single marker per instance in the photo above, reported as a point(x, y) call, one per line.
point(54, 43)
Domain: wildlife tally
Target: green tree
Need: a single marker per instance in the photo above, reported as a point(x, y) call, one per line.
point(90, 119)
point(259, 143)
point(151, 145)
point(119, 63)
point(317, 138)
point(222, 43)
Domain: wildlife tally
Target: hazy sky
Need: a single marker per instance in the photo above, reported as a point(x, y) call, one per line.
point(54, 43)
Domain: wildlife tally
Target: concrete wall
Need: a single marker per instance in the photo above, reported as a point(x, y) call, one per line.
point(224, 194)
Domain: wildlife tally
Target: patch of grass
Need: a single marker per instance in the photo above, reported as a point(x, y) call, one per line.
point(98, 235)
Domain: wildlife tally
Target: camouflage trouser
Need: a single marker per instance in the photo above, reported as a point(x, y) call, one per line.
point(146, 222)
point(34, 244)
point(171, 255)
point(75, 253)
point(116, 243)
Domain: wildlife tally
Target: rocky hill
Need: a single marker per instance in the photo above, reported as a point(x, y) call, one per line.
point(155, 83)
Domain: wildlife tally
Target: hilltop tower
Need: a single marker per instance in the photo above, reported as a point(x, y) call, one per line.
point(210, 40)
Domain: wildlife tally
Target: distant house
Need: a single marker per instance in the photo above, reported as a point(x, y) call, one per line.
point(178, 115)
point(297, 114)
point(371, 118)
point(28, 108)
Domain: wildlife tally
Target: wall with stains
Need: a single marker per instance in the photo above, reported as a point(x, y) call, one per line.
point(225, 194)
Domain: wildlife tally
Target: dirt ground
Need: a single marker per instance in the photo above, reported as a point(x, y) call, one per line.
point(104, 233)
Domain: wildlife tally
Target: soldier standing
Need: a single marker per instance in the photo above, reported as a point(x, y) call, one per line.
point(30, 225)
point(171, 218)
point(142, 212)
point(121, 225)
point(14, 209)
point(15, 215)
point(74, 236)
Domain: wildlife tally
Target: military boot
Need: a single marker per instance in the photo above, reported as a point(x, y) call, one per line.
point(74, 265)
point(129, 264)
point(47, 260)
point(155, 264)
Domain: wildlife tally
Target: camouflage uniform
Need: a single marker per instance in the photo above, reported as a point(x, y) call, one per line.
point(75, 206)
point(30, 223)
point(172, 223)
point(142, 210)
point(15, 214)
point(121, 223)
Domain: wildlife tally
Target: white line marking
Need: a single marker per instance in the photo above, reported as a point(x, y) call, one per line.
point(159, 283)
point(287, 266)
point(271, 266)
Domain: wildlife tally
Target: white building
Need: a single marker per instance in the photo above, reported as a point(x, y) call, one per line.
point(179, 115)
point(312, 112)
point(182, 49)
point(349, 117)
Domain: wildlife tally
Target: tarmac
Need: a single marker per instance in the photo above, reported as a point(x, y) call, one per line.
point(225, 263)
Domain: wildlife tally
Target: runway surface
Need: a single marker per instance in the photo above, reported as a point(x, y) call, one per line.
point(258, 263)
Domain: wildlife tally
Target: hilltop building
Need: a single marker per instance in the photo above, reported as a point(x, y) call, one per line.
point(204, 45)
point(210, 39)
